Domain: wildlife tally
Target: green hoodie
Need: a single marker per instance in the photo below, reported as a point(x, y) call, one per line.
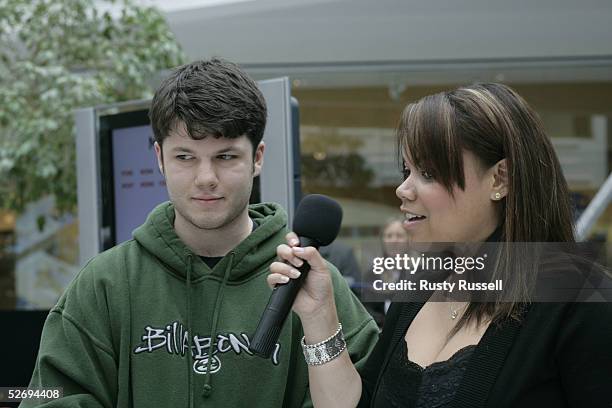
point(120, 335)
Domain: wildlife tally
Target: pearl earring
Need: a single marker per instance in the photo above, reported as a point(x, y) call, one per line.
point(497, 196)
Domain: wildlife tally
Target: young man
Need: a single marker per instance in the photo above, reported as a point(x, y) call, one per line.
point(165, 319)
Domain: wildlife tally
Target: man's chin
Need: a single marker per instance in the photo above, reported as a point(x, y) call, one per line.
point(208, 225)
point(202, 223)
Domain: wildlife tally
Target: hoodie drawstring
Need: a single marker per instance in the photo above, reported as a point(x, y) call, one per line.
point(213, 333)
point(190, 357)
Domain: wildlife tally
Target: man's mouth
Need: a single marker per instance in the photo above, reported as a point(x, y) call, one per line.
point(207, 199)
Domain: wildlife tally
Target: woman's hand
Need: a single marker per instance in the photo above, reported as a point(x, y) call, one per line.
point(336, 383)
point(316, 294)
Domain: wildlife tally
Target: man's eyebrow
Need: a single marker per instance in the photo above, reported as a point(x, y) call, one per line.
point(222, 150)
point(181, 149)
point(230, 149)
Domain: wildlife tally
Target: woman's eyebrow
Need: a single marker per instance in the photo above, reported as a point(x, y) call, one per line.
point(406, 162)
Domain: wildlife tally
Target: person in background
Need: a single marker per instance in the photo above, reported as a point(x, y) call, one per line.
point(343, 258)
point(394, 242)
point(477, 167)
point(165, 319)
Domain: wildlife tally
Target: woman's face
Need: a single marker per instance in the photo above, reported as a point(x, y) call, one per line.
point(433, 215)
point(395, 239)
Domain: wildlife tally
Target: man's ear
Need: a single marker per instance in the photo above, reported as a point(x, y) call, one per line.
point(499, 186)
point(258, 159)
point(159, 153)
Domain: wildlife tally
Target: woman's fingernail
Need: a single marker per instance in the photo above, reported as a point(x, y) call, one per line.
point(294, 241)
point(295, 273)
point(298, 250)
point(284, 279)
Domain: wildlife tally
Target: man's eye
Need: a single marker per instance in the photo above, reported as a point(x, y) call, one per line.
point(184, 157)
point(226, 156)
point(405, 173)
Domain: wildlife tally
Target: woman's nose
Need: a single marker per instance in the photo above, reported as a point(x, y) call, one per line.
point(406, 191)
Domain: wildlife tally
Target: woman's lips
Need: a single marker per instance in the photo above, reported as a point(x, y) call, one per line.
point(412, 220)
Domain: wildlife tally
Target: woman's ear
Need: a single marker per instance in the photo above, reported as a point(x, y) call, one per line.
point(499, 186)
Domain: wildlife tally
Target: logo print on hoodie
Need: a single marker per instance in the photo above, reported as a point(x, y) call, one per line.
point(174, 339)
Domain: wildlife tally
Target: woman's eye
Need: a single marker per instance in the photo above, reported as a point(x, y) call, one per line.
point(427, 175)
point(405, 173)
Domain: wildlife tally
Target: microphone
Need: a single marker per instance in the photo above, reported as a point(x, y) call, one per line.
point(317, 223)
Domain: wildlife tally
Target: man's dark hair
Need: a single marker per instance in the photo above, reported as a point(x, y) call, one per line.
point(211, 98)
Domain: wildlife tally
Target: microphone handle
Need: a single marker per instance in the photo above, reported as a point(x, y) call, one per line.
point(278, 307)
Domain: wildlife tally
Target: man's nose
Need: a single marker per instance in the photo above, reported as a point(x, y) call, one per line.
point(206, 176)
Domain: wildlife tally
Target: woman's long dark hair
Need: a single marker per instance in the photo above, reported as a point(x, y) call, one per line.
point(493, 122)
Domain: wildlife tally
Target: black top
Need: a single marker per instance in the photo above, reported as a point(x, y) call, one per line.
point(407, 384)
point(212, 261)
point(559, 355)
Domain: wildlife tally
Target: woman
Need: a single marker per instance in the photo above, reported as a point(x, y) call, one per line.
point(477, 167)
point(394, 241)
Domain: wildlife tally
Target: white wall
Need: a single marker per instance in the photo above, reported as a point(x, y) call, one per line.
point(330, 35)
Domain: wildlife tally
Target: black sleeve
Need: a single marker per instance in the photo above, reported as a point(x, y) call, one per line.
point(372, 368)
point(584, 354)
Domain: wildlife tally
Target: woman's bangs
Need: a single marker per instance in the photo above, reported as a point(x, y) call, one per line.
point(426, 138)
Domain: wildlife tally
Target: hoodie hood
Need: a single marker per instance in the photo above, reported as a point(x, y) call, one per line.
point(158, 237)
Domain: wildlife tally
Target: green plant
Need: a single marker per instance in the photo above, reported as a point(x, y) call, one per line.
point(58, 55)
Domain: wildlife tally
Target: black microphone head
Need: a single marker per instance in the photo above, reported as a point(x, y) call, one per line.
point(318, 217)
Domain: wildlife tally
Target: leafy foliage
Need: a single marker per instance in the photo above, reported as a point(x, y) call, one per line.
point(59, 55)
